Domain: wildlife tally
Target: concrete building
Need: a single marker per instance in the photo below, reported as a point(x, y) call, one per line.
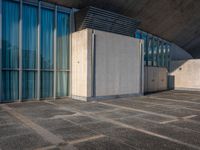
point(56, 49)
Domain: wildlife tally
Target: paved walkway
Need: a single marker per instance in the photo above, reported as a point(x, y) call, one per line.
point(163, 121)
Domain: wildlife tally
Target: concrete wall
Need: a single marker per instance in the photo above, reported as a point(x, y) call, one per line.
point(178, 53)
point(186, 74)
point(118, 64)
point(155, 79)
point(81, 64)
point(111, 68)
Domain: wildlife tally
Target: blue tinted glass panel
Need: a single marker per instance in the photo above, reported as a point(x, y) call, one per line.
point(10, 81)
point(155, 52)
point(163, 55)
point(138, 34)
point(47, 28)
point(63, 41)
point(150, 51)
point(29, 30)
point(29, 84)
point(160, 54)
point(46, 84)
point(10, 34)
point(62, 84)
point(144, 37)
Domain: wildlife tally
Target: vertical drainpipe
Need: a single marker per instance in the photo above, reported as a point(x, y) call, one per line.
point(93, 65)
point(38, 52)
point(1, 51)
point(54, 58)
point(72, 29)
point(141, 67)
point(20, 52)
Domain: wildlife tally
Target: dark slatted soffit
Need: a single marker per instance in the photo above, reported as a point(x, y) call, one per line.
point(103, 20)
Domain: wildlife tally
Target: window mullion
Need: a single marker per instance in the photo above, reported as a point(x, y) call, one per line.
point(55, 47)
point(0, 50)
point(38, 52)
point(20, 52)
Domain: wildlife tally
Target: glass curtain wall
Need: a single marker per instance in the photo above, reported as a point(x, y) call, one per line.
point(10, 51)
point(156, 50)
point(49, 44)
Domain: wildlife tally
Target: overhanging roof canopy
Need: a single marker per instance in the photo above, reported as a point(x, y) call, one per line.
point(177, 21)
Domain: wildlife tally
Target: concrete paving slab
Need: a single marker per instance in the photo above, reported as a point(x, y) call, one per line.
point(187, 136)
point(6, 119)
point(173, 104)
point(11, 130)
point(175, 97)
point(159, 109)
point(119, 113)
point(143, 141)
point(45, 113)
point(187, 124)
point(22, 142)
point(103, 144)
point(146, 122)
point(94, 107)
point(73, 133)
point(197, 118)
point(101, 127)
point(82, 119)
point(178, 112)
point(154, 118)
point(52, 124)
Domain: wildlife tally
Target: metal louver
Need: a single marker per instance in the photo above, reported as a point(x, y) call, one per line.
point(103, 20)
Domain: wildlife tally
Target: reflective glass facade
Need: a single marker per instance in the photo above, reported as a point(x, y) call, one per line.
point(10, 51)
point(34, 51)
point(156, 50)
